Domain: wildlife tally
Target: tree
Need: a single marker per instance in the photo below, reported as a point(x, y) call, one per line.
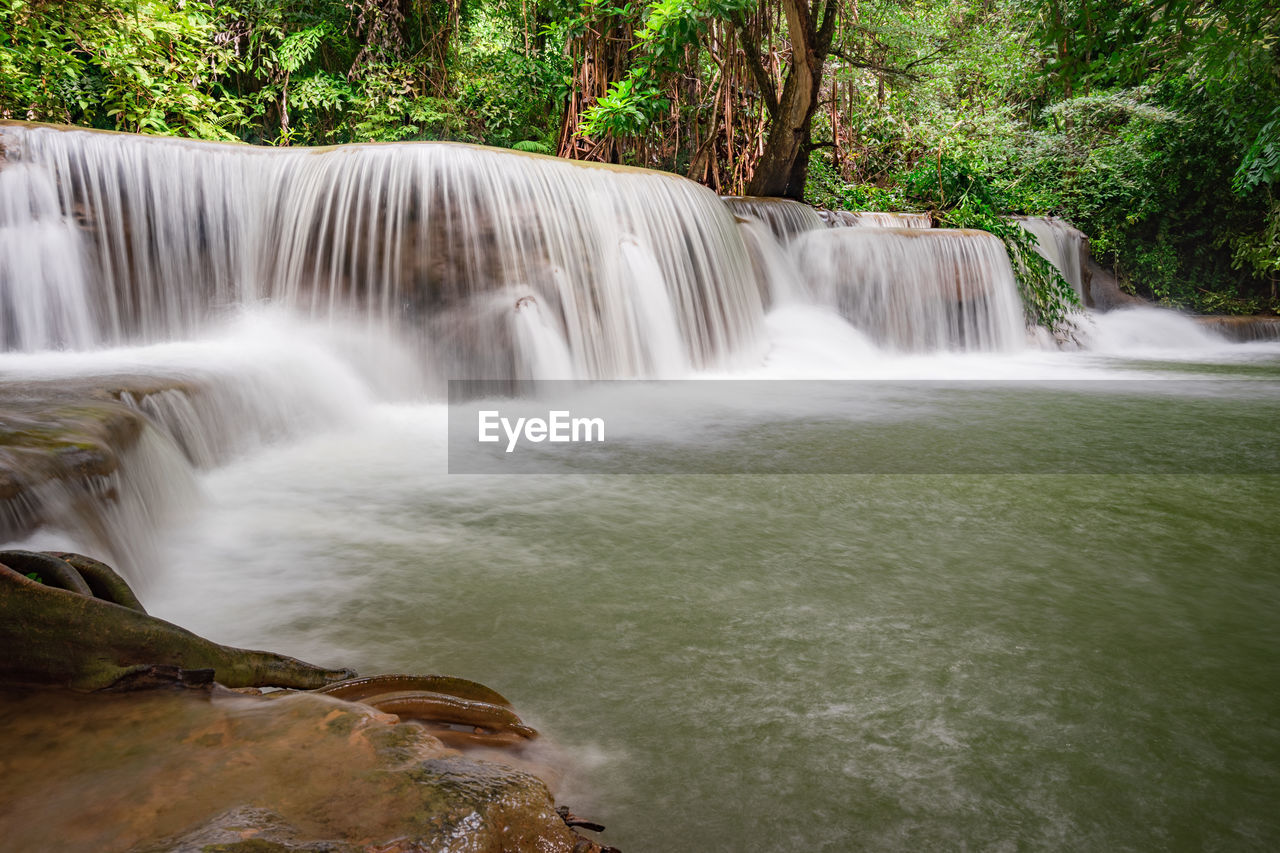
point(784, 166)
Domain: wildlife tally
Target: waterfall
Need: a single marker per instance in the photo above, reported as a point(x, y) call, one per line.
point(786, 219)
point(116, 508)
point(423, 240)
point(654, 312)
point(43, 298)
point(915, 289)
point(775, 272)
point(540, 348)
point(1060, 244)
point(876, 219)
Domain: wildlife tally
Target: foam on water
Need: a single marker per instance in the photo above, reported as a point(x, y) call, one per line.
point(1147, 331)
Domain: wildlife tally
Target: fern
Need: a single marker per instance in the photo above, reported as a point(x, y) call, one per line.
point(531, 146)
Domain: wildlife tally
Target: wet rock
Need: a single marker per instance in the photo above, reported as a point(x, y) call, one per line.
point(1102, 290)
point(63, 441)
point(459, 712)
point(1244, 329)
point(360, 689)
point(250, 830)
point(192, 771)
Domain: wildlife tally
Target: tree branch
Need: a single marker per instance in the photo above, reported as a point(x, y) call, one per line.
point(891, 71)
point(827, 28)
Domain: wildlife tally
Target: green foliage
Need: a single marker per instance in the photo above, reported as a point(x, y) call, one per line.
point(139, 65)
point(1260, 165)
point(1150, 125)
point(626, 109)
point(668, 34)
point(1259, 251)
point(532, 146)
point(871, 197)
point(826, 188)
point(276, 71)
point(503, 95)
point(1151, 185)
point(35, 577)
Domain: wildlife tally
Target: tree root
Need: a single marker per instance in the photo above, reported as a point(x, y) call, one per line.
point(360, 689)
point(461, 713)
point(55, 631)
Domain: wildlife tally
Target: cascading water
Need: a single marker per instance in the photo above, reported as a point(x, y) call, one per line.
point(204, 403)
point(1060, 244)
point(786, 219)
point(120, 515)
point(775, 272)
point(413, 238)
point(43, 299)
point(916, 290)
point(876, 219)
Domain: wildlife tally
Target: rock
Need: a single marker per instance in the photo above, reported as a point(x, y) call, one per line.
point(198, 771)
point(199, 767)
point(1244, 329)
point(250, 830)
point(459, 712)
point(1102, 290)
point(68, 438)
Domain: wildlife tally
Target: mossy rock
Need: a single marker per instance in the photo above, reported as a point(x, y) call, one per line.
point(72, 430)
point(63, 637)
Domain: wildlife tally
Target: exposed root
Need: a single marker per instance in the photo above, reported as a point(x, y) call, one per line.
point(360, 689)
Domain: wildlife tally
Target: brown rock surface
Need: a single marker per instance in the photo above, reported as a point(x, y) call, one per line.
point(1244, 329)
point(183, 770)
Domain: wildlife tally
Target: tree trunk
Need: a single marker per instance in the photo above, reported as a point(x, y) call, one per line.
point(784, 166)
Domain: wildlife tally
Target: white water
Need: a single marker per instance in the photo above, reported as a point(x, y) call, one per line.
point(44, 302)
point(298, 311)
point(775, 271)
point(916, 290)
point(1061, 244)
point(410, 239)
point(877, 219)
point(785, 218)
point(1147, 332)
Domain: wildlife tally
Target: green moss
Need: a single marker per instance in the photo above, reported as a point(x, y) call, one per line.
point(343, 725)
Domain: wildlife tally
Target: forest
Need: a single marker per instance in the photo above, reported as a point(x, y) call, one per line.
point(1152, 125)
